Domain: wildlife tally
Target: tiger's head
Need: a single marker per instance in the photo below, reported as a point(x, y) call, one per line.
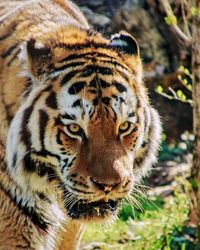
point(85, 122)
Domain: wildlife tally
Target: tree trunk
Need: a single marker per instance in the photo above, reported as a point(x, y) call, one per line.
point(196, 100)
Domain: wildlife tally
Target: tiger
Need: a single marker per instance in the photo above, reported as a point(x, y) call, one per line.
point(77, 129)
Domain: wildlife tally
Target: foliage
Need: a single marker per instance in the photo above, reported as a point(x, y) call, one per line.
point(137, 213)
point(185, 78)
point(157, 227)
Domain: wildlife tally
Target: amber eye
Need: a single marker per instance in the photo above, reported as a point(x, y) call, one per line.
point(126, 128)
point(73, 128)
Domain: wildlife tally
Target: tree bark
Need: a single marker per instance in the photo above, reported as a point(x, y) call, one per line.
point(196, 107)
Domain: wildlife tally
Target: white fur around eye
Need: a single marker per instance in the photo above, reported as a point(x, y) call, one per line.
point(126, 128)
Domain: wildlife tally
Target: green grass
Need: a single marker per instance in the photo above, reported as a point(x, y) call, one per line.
point(158, 227)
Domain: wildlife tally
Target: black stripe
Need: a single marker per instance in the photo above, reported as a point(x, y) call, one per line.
point(70, 164)
point(77, 103)
point(91, 113)
point(104, 71)
point(40, 168)
point(51, 100)
point(43, 197)
point(93, 91)
point(122, 100)
point(132, 114)
point(95, 101)
point(9, 51)
point(64, 165)
point(104, 84)
point(36, 218)
point(14, 161)
point(120, 87)
point(85, 55)
point(69, 116)
point(87, 71)
point(76, 87)
point(97, 69)
point(115, 115)
point(113, 63)
point(43, 120)
point(51, 175)
point(106, 100)
point(29, 164)
point(45, 153)
point(10, 31)
point(68, 77)
point(93, 83)
point(25, 132)
point(28, 88)
point(44, 169)
point(13, 57)
point(80, 46)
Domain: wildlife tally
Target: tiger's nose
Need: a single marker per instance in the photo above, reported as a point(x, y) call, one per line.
point(103, 186)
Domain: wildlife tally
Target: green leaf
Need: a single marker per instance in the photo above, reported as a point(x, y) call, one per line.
point(179, 77)
point(185, 81)
point(159, 89)
point(181, 68)
point(183, 98)
point(179, 93)
point(186, 71)
point(171, 19)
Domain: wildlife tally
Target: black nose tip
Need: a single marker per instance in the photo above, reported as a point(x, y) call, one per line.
point(103, 186)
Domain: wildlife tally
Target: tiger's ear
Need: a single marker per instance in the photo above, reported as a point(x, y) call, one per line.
point(38, 58)
point(126, 43)
point(128, 47)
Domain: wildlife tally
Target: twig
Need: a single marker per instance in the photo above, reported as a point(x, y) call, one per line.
point(174, 96)
point(175, 28)
point(183, 3)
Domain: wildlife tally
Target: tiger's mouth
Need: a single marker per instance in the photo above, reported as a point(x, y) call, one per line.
point(90, 210)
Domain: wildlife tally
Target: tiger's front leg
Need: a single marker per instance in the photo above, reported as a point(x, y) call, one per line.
point(70, 235)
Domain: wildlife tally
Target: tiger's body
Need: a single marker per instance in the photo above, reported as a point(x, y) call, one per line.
point(76, 127)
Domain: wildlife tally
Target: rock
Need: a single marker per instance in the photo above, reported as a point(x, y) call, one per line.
point(97, 20)
point(140, 24)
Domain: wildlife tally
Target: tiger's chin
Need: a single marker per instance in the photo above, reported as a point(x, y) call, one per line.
point(93, 211)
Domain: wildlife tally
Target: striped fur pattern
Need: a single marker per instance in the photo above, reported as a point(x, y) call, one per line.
point(77, 130)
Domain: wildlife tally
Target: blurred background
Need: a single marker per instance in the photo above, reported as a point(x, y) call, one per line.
point(159, 215)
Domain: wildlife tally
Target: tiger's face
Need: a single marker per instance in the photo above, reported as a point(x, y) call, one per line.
point(86, 125)
point(97, 131)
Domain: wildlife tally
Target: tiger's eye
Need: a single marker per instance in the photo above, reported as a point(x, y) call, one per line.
point(124, 126)
point(73, 128)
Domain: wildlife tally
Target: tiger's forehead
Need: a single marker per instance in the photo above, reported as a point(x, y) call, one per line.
point(80, 100)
